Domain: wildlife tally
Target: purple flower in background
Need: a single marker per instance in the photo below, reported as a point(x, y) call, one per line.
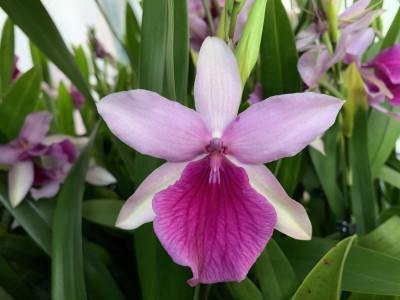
point(16, 71)
point(19, 154)
point(78, 99)
point(387, 69)
point(198, 25)
point(214, 204)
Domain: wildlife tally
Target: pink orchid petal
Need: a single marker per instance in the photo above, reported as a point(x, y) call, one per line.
point(99, 176)
point(388, 62)
point(35, 128)
point(292, 218)
point(354, 11)
point(217, 229)
point(48, 190)
point(256, 96)
point(359, 46)
point(154, 125)
point(20, 180)
point(313, 64)
point(372, 78)
point(138, 209)
point(306, 38)
point(9, 153)
point(280, 126)
point(217, 88)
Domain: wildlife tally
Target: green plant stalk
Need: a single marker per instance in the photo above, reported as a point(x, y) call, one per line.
point(232, 25)
point(209, 17)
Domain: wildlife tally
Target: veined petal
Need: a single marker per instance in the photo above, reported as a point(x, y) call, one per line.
point(354, 12)
point(154, 125)
point(292, 218)
point(35, 128)
point(217, 88)
point(20, 180)
point(280, 126)
point(9, 154)
point(218, 229)
point(138, 209)
point(99, 176)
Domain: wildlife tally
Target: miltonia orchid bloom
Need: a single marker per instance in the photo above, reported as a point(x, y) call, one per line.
point(20, 153)
point(214, 204)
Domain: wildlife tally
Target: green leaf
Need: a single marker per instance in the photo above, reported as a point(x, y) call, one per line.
point(67, 261)
point(359, 296)
point(30, 218)
point(274, 274)
point(390, 175)
point(279, 73)
point(288, 173)
point(240, 290)
point(181, 48)
point(65, 111)
point(153, 46)
point(365, 271)
point(132, 38)
point(81, 60)
point(39, 59)
point(362, 193)
point(249, 43)
point(122, 80)
point(393, 32)
point(324, 280)
point(383, 132)
point(385, 238)
point(35, 22)
point(35, 219)
point(100, 284)
point(6, 56)
point(11, 282)
point(20, 101)
point(169, 52)
point(102, 211)
point(325, 167)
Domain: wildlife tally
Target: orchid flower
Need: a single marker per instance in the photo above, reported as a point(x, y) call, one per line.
point(354, 22)
point(53, 172)
point(19, 154)
point(214, 204)
point(16, 72)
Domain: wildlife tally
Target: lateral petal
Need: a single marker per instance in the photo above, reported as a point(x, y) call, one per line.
point(154, 125)
point(280, 126)
point(138, 210)
point(218, 229)
point(217, 88)
point(20, 180)
point(292, 218)
point(35, 127)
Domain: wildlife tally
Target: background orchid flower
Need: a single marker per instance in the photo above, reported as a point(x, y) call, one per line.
point(214, 204)
point(19, 154)
point(316, 61)
point(52, 172)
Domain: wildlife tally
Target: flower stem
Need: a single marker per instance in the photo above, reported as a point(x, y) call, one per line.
point(330, 88)
point(209, 17)
point(232, 26)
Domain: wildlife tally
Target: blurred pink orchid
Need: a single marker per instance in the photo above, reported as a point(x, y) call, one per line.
point(214, 204)
point(354, 23)
point(20, 154)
